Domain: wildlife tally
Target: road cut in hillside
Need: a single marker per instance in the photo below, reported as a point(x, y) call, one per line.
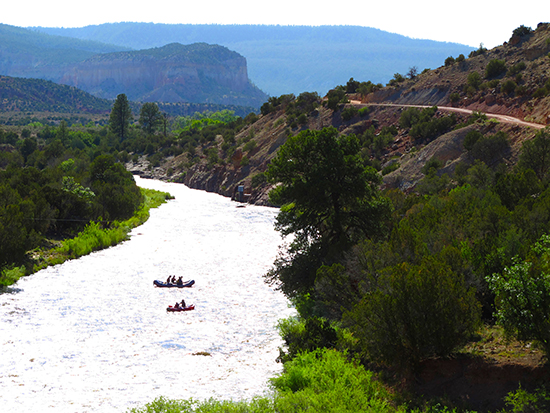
point(502, 118)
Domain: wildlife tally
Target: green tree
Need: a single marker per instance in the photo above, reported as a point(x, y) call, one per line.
point(414, 312)
point(535, 154)
point(121, 116)
point(523, 296)
point(150, 117)
point(329, 200)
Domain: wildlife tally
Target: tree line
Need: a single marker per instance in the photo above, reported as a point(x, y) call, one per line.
point(56, 180)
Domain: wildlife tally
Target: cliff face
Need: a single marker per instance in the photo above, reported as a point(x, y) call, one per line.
point(173, 73)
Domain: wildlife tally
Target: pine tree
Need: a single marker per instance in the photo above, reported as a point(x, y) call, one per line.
point(121, 115)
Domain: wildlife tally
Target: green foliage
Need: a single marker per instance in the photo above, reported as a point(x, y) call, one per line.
point(508, 87)
point(523, 296)
point(522, 31)
point(454, 97)
point(258, 179)
point(9, 276)
point(433, 164)
point(324, 381)
point(535, 154)
point(415, 312)
point(449, 61)
point(150, 117)
point(397, 78)
point(490, 149)
point(121, 116)
point(109, 177)
point(480, 50)
point(328, 199)
point(424, 124)
point(474, 80)
point(349, 113)
point(517, 68)
point(336, 97)
point(471, 138)
point(522, 401)
point(495, 68)
point(305, 335)
point(390, 168)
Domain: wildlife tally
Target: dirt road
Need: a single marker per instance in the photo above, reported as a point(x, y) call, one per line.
point(502, 118)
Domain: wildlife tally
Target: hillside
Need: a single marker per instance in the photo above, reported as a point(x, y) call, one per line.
point(288, 59)
point(36, 95)
point(530, 101)
point(29, 54)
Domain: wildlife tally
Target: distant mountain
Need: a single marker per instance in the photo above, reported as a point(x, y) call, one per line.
point(37, 95)
point(196, 73)
point(27, 53)
point(289, 59)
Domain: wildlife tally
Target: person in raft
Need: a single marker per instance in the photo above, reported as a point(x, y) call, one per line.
point(180, 281)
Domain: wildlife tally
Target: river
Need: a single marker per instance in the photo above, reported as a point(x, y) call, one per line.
point(93, 334)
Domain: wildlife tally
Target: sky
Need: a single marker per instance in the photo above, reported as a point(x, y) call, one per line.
point(469, 22)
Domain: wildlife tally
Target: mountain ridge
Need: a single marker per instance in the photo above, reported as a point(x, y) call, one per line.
point(288, 59)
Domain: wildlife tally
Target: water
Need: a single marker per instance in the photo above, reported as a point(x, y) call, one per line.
point(93, 334)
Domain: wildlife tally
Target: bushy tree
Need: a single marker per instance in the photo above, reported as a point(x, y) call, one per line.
point(535, 154)
point(523, 296)
point(413, 312)
point(328, 199)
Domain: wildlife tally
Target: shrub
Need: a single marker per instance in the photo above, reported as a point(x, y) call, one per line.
point(491, 148)
point(390, 168)
point(308, 335)
point(349, 113)
point(522, 31)
point(518, 67)
point(449, 61)
point(495, 68)
point(415, 312)
point(474, 80)
point(325, 381)
point(508, 87)
point(522, 293)
point(258, 179)
point(454, 97)
point(471, 138)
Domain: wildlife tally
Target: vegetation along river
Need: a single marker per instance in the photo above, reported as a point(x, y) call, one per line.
point(93, 334)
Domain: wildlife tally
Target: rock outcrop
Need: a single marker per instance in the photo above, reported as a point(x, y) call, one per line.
point(174, 73)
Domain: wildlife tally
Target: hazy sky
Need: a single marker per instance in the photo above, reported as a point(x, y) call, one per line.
point(469, 22)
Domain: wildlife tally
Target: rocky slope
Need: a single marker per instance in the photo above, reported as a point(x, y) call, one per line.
point(526, 62)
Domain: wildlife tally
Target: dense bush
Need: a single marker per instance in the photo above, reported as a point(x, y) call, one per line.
point(523, 296)
point(414, 312)
point(495, 68)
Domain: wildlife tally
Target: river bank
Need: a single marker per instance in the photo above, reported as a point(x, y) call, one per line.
point(94, 237)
